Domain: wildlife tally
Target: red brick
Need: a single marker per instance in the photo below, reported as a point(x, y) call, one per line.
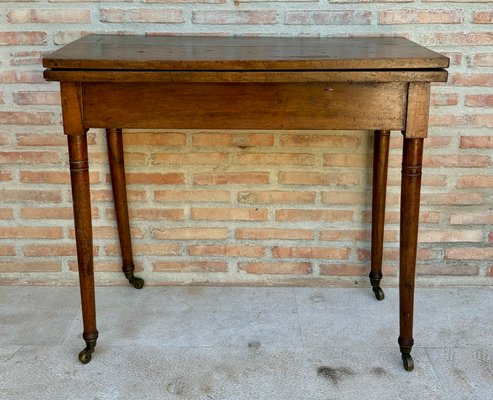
point(53, 196)
point(347, 197)
point(347, 160)
point(318, 178)
point(489, 272)
point(454, 57)
point(47, 139)
point(23, 38)
point(68, 16)
point(30, 232)
point(29, 157)
point(21, 76)
point(411, 16)
point(276, 268)
point(66, 37)
point(450, 236)
point(457, 39)
point(311, 252)
point(477, 181)
point(53, 250)
point(482, 17)
point(274, 233)
point(151, 249)
point(191, 266)
point(446, 270)
point(191, 233)
point(468, 121)
point(349, 17)
point(27, 57)
point(189, 159)
point(108, 232)
point(476, 142)
point(480, 121)
point(42, 98)
point(461, 79)
point(332, 141)
point(393, 254)
point(52, 177)
point(106, 195)
point(26, 118)
point(430, 142)
point(185, 1)
point(167, 139)
point(276, 196)
point(155, 178)
point(236, 17)
point(451, 198)
point(131, 158)
point(228, 214)
point(152, 214)
point(351, 270)
point(475, 218)
point(227, 251)
point(2, 100)
point(192, 196)
point(393, 217)
point(372, 1)
point(48, 213)
point(290, 159)
point(6, 213)
point(456, 161)
point(481, 60)
point(5, 176)
point(479, 100)
point(355, 235)
point(7, 250)
point(469, 253)
point(444, 99)
point(148, 15)
point(232, 178)
point(315, 215)
point(105, 266)
point(232, 140)
point(35, 266)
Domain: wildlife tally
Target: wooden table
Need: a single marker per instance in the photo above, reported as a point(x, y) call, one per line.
point(116, 82)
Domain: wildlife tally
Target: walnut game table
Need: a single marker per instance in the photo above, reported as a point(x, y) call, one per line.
point(122, 81)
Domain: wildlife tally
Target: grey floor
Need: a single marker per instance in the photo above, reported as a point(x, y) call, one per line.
point(245, 343)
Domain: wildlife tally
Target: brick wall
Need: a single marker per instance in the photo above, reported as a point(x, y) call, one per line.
point(246, 207)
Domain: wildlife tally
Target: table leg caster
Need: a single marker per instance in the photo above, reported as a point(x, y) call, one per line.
point(86, 354)
point(379, 294)
point(137, 282)
point(408, 362)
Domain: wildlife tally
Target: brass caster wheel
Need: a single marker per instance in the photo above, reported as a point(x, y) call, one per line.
point(137, 282)
point(407, 361)
point(379, 294)
point(86, 355)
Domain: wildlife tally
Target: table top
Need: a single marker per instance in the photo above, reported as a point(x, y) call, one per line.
point(161, 53)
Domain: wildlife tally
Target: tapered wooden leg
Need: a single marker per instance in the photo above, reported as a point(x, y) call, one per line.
point(79, 175)
point(380, 167)
point(118, 184)
point(410, 197)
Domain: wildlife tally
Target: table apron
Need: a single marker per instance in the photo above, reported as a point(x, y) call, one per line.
point(307, 105)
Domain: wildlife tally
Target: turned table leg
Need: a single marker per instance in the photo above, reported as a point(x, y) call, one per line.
point(118, 184)
point(410, 195)
point(79, 175)
point(380, 167)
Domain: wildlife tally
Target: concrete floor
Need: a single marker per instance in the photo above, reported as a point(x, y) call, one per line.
point(245, 343)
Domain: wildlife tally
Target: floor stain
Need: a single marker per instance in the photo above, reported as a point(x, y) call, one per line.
point(176, 387)
point(378, 371)
point(335, 375)
point(254, 344)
